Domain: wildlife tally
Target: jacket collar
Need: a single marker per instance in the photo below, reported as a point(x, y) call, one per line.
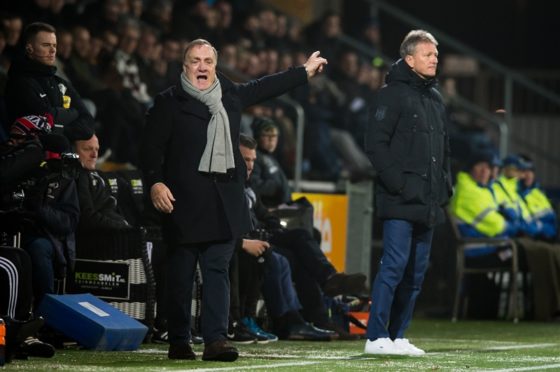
point(401, 71)
point(26, 66)
point(194, 106)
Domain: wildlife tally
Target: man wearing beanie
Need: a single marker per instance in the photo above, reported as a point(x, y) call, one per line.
point(268, 178)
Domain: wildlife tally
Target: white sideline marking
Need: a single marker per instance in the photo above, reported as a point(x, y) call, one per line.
point(237, 368)
point(534, 368)
point(261, 355)
point(522, 346)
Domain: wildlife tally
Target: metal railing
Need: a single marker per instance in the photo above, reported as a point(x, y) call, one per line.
point(510, 76)
point(299, 123)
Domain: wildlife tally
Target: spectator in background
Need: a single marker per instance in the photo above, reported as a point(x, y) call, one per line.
point(168, 66)
point(538, 204)
point(199, 185)
point(80, 69)
point(64, 40)
point(13, 26)
point(408, 146)
point(505, 189)
point(371, 36)
point(479, 214)
point(126, 63)
point(268, 178)
point(33, 87)
point(324, 34)
point(159, 15)
point(105, 16)
point(148, 54)
point(120, 115)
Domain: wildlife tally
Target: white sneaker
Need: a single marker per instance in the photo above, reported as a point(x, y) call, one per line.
point(407, 348)
point(382, 346)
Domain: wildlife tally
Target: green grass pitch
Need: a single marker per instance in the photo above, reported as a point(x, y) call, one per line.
point(461, 346)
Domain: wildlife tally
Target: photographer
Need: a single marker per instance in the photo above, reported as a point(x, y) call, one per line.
point(21, 158)
point(49, 210)
point(311, 271)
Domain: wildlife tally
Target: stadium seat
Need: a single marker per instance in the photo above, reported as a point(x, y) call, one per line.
point(510, 267)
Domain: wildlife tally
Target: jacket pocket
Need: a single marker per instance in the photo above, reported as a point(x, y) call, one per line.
point(415, 188)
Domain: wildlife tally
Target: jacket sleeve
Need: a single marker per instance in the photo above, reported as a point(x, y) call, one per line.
point(262, 186)
point(156, 136)
point(271, 86)
point(61, 216)
point(78, 122)
point(383, 121)
point(96, 207)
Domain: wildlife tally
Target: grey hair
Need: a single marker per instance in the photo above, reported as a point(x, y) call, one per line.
point(413, 38)
point(199, 42)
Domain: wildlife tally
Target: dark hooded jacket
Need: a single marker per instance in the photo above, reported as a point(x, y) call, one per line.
point(34, 89)
point(407, 143)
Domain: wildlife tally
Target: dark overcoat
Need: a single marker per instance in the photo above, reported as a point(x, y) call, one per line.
point(208, 207)
point(408, 145)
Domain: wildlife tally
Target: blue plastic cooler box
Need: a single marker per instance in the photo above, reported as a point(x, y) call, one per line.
point(92, 322)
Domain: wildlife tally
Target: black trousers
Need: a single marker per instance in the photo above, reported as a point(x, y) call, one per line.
point(214, 259)
point(246, 278)
point(310, 269)
point(16, 294)
point(307, 251)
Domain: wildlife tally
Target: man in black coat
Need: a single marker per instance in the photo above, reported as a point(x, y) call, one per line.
point(196, 175)
point(407, 143)
point(98, 208)
point(34, 89)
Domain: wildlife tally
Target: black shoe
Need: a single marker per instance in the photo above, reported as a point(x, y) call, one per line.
point(197, 340)
point(239, 334)
point(342, 334)
point(341, 283)
point(181, 350)
point(33, 347)
point(332, 334)
point(221, 351)
point(160, 337)
point(305, 332)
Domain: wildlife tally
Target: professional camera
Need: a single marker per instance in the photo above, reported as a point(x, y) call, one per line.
point(264, 235)
point(68, 166)
point(260, 234)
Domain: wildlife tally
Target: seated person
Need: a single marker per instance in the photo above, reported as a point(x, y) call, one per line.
point(312, 272)
point(51, 209)
point(98, 208)
point(537, 204)
point(283, 305)
point(22, 162)
point(479, 214)
point(268, 179)
point(505, 189)
point(246, 277)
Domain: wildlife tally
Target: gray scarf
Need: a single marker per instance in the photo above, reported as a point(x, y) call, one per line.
point(218, 154)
